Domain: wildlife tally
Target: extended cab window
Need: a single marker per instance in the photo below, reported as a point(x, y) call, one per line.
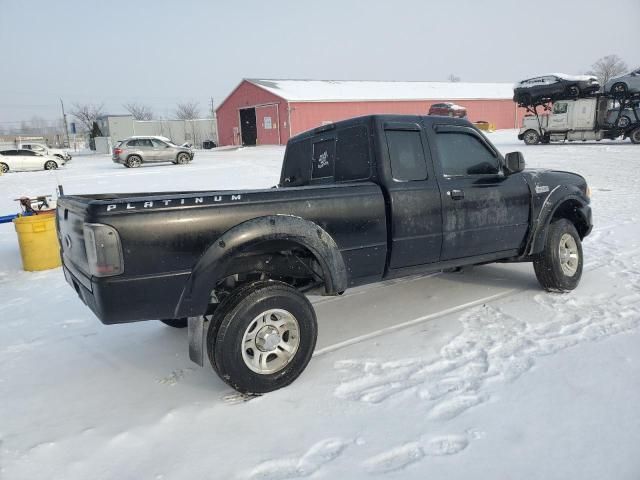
point(464, 154)
point(353, 154)
point(406, 155)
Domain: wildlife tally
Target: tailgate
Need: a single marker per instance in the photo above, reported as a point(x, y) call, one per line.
point(70, 220)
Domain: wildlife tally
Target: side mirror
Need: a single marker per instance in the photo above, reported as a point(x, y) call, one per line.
point(514, 162)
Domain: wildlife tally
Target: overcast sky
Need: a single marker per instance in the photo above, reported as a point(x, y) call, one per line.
point(162, 52)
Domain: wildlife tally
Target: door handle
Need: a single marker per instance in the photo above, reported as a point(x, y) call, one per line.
point(456, 194)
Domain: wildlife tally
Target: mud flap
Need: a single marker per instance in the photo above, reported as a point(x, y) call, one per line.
point(197, 328)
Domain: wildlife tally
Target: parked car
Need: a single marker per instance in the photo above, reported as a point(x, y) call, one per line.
point(134, 151)
point(625, 84)
point(554, 86)
point(24, 160)
point(448, 109)
point(209, 144)
point(625, 118)
point(359, 201)
point(40, 148)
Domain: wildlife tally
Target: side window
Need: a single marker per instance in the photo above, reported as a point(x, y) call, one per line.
point(158, 143)
point(26, 153)
point(324, 159)
point(464, 154)
point(145, 142)
point(10, 153)
point(406, 155)
point(132, 143)
point(352, 154)
point(560, 107)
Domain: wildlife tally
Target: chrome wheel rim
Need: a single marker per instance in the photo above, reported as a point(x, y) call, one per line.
point(4, 168)
point(182, 159)
point(50, 166)
point(270, 341)
point(569, 256)
point(531, 137)
point(134, 162)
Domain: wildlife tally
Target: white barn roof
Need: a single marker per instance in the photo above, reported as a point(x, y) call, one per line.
point(357, 90)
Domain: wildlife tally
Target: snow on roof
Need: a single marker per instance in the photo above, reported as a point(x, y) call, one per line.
point(357, 90)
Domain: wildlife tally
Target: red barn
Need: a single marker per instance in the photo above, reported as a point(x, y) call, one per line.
point(269, 112)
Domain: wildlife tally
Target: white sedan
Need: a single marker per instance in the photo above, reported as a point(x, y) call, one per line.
point(23, 160)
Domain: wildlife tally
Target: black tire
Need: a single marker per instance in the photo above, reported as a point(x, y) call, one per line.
point(134, 161)
point(4, 168)
point(623, 122)
point(50, 165)
point(545, 140)
point(183, 158)
point(226, 341)
point(635, 135)
point(573, 91)
point(549, 266)
point(176, 322)
point(531, 137)
point(619, 89)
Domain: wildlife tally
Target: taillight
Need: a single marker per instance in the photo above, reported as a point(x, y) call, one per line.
point(104, 253)
point(117, 151)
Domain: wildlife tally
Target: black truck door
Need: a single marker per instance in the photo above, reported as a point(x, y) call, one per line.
point(483, 210)
point(413, 196)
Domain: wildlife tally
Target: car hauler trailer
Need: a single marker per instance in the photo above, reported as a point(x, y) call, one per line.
point(603, 116)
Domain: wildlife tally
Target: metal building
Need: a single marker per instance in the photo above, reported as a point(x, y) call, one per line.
point(269, 112)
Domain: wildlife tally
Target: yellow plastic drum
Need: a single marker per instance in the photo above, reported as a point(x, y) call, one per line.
point(38, 241)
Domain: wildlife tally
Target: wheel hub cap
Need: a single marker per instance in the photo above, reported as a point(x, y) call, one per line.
point(569, 256)
point(270, 341)
point(267, 338)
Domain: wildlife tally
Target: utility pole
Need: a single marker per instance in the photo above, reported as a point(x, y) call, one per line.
point(66, 127)
point(213, 112)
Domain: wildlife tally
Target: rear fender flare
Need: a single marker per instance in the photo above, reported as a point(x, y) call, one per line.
point(213, 264)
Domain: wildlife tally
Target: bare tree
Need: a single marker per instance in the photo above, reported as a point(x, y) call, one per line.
point(453, 78)
point(187, 111)
point(87, 113)
point(139, 111)
point(608, 67)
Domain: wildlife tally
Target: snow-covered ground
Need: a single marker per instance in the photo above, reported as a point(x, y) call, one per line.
point(477, 374)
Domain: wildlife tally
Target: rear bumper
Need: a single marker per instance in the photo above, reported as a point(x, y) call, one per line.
point(132, 299)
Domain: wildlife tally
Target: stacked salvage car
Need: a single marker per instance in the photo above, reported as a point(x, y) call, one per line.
point(552, 87)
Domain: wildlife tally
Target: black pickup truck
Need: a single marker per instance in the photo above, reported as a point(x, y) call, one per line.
point(359, 201)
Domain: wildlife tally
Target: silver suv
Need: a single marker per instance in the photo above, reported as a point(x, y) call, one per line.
point(134, 151)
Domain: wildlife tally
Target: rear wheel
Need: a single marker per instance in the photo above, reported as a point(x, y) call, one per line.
point(4, 168)
point(531, 137)
point(263, 338)
point(559, 267)
point(50, 165)
point(635, 135)
point(183, 158)
point(134, 161)
point(619, 89)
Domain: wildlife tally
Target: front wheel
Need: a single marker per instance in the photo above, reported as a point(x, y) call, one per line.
point(264, 338)
point(531, 137)
point(635, 135)
point(183, 158)
point(573, 91)
point(50, 165)
point(559, 267)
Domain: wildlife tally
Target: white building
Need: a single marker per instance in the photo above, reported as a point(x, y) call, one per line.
point(119, 127)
